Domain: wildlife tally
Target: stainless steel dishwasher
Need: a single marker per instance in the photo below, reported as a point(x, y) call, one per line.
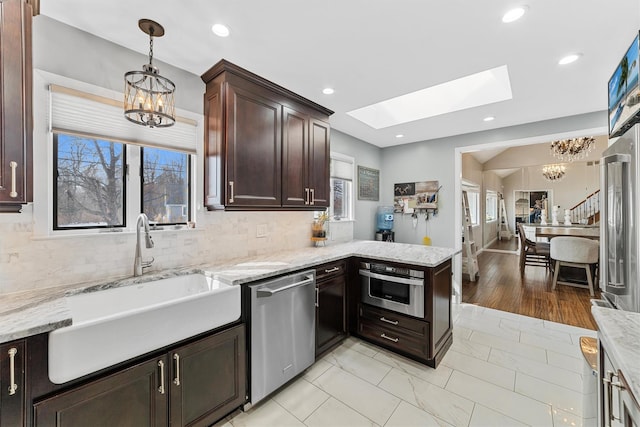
point(283, 325)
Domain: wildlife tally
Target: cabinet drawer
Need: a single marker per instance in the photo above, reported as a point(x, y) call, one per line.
point(331, 269)
point(392, 338)
point(394, 321)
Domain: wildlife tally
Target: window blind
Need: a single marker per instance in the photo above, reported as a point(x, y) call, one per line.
point(84, 114)
point(341, 168)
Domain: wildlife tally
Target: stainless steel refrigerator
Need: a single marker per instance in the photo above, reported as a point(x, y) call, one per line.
point(620, 222)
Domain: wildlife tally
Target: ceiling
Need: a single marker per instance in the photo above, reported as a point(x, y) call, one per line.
point(373, 50)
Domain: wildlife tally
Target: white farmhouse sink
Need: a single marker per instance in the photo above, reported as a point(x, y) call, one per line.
point(114, 325)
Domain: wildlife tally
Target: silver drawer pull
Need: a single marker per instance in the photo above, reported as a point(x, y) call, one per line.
point(393, 322)
point(176, 358)
point(231, 199)
point(313, 196)
point(389, 338)
point(13, 387)
point(161, 366)
point(332, 270)
point(13, 193)
point(306, 197)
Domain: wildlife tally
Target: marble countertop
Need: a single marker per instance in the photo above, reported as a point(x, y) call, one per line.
point(619, 332)
point(27, 313)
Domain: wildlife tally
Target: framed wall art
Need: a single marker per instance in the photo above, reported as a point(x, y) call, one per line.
point(368, 184)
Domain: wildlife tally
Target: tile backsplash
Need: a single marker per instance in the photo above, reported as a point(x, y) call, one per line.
point(34, 263)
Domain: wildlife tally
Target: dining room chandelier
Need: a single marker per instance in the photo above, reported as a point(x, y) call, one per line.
point(149, 97)
point(568, 150)
point(553, 173)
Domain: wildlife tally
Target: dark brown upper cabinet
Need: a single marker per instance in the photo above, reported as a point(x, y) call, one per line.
point(265, 146)
point(16, 122)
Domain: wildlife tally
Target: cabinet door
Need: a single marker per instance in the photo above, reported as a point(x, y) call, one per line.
point(330, 313)
point(295, 152)
point(16, 127)
point(208, 378)
point(319, 158)
point(253, 144)
point(134, 397)
point(213, 152)
point(12, 384)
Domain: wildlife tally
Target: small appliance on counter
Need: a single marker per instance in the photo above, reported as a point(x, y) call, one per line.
point(384, 224)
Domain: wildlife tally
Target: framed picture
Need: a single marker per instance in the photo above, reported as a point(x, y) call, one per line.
point(368, 184)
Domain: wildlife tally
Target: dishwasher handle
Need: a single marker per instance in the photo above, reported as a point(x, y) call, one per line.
point(267, 292)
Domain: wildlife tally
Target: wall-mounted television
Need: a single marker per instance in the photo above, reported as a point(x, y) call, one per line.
point(624, 93)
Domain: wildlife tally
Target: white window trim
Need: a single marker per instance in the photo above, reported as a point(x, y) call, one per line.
point(43, 161)
point(346, 159)
point(494, 195)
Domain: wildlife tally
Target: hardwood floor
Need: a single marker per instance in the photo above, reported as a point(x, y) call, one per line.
point(505, 245)
point(500, 286)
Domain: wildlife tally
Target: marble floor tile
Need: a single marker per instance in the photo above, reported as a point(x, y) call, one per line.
point(461, 332)
point(542, 371)
point(509, 403)
point(333, 413)
point(569, 349)
point(369, 400)
point(495, 374)
point(266, 414)
point(525, 350)
point(365, 367)
point(573, 330)
point(562, 418)
point(437, 377)
point(301, 398)
point(439, 402)
point(470, 348)
point(360, 346)
point(550, 334)
point(556, 396)
point(485, 417)
point(490, 326)
point(407, 415)
point(570, 363)
point(315, 370)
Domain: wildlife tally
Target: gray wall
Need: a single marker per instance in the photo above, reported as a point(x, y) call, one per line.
point(367, 155)
point(67, 51)
point(437, 160)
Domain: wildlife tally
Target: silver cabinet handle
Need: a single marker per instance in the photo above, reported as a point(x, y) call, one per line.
point(389, 338)
point(609, 382)
point(317, 296)
point(332, 270)
point(161, 366)
point(176, 359)
point(393, 322)
point(267, 292)
point(306, 196)
point(231, 191)
point(13, 387)
point(313, 196)
point(13, 166)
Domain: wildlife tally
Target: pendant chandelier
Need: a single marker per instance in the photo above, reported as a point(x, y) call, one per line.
point(148, 97)
point(553, 173)
point(568, 150)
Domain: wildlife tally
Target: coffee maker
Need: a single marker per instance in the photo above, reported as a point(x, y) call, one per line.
point(384, 224)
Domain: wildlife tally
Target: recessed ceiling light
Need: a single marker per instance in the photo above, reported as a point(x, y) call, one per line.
point(570, 58)
point(514, 14)
point(478, 89)
point(489, 118)
point(328, 91)
point(220, 30)
point(399, 135)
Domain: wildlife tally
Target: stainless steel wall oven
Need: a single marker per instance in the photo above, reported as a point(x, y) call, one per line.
point(393, 288)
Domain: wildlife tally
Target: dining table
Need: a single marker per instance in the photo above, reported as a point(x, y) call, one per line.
point(569, 231)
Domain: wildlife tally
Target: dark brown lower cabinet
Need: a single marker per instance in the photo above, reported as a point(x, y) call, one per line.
point(331, 287)
point(12, 384)
point(208, 378)
point(193, 385)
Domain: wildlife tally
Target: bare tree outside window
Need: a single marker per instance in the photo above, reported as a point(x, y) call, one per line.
point(165, 185)
point(89, 187)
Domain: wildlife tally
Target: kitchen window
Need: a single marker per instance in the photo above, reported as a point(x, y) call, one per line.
point(89, 183)
point(341, 205)
point(103, 170)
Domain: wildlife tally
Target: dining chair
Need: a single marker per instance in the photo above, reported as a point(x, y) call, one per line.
point(574, 252)
point(532, 253)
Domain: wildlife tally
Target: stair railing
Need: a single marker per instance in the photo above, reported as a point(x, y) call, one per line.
point(587, 211)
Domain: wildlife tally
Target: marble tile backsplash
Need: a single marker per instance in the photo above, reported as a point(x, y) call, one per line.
point(34, 263)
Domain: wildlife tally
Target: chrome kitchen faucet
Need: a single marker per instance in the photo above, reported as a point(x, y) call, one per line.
point(139, 264)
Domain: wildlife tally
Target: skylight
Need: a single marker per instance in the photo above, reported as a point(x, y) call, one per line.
point(470, 91)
